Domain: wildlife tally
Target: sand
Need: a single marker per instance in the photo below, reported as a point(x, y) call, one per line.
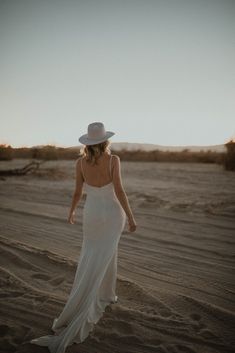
point(175, 273)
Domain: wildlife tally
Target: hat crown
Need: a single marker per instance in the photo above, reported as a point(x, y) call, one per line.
point(96, 130)
point(96, 133)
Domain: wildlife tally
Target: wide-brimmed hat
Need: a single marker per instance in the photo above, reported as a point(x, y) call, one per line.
point(96, 133)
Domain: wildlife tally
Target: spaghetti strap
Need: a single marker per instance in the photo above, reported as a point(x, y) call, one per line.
point(82, 168)
point(110, 166)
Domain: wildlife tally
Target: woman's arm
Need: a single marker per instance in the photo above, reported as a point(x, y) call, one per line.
point(77, 192)
point(121, 194)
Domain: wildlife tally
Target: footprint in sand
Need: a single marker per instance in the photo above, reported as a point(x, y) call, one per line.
point(207, 334)
point(165, 313)
point(41, 276)
point(198, 325)
point(177, 348)
point(151, 312)
point(57, 281)
point(195, 317)
point(12, 294)
point(4, 329)
point(184, 349)
point(123, 327)
point(11, 337)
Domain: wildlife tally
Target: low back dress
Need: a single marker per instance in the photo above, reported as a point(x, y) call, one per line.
point(94, 285)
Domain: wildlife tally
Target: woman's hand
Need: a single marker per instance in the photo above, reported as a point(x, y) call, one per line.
point(71, 219)
point(132, 224)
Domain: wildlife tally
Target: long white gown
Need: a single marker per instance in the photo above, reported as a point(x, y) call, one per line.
point(94, 285)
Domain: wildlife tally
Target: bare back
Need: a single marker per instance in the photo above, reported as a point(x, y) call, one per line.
point(100, 174)
point(107, 171)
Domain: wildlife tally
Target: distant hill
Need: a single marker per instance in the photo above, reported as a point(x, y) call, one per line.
point(117, 146)
point(150, 147)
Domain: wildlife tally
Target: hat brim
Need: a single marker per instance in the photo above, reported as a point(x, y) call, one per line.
point(86, 141)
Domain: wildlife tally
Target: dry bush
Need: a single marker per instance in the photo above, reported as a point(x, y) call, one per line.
point(229, 159)
point(51, 152)
point(23, 152)
point(170, 156)
point(6, 152)
point(48, 152)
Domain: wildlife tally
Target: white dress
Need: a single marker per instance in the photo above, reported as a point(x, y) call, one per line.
point(95, 279)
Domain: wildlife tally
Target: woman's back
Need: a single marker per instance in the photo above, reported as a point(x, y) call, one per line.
point(105, 174)
point(100, 174)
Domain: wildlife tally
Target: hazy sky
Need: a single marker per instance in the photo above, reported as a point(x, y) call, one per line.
point(152, 71)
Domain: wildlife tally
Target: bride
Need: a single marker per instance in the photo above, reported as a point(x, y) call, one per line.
point(104, 216)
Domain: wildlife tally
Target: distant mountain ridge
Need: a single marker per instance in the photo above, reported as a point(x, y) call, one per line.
point(150, 147)
point(129, 146)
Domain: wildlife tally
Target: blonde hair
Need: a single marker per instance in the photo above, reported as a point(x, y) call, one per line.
point(93, 152)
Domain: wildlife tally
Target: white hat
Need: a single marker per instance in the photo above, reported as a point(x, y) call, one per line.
point(96, 133)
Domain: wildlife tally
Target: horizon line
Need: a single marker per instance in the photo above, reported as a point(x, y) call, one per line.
point(123, 142)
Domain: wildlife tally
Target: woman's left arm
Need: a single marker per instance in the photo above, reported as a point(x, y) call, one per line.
point(78, 191)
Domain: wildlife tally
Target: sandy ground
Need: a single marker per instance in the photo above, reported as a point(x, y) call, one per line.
point(175, 273)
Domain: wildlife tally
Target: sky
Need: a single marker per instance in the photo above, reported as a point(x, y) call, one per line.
point(153, 71)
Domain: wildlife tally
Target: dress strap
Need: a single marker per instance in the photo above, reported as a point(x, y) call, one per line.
point(82, 168)
point(110, 165)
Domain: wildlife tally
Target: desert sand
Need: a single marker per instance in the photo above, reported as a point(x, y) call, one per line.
point(175, 282)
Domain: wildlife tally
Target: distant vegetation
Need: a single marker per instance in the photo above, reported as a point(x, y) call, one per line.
point(47, 152)
point(229, 160)
point(171, 156)
point(6, 152)
point(52, 152)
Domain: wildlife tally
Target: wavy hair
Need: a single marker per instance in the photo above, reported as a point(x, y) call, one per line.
point(93, 152)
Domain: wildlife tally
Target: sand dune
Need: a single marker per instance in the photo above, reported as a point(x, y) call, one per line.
point(175, 274)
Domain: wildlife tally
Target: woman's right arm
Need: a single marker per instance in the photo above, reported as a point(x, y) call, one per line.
point(121, 194)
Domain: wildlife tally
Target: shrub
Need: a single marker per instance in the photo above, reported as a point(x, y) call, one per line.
point(229, 159)
point(6, 152)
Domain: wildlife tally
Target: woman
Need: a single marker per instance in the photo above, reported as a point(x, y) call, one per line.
point(104, 215)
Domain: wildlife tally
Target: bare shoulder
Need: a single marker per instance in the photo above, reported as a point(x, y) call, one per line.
point(78, 161)
point(115, 161)
point(116, 164)
point(116, 158)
